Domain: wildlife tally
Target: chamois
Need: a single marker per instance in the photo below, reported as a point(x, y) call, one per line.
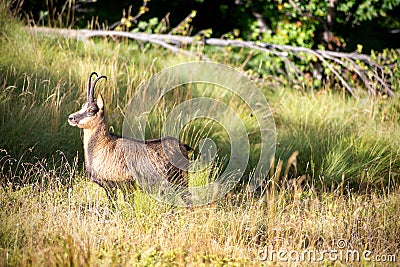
point(115, 162)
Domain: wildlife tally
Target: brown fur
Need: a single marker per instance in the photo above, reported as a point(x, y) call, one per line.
point(115, 162)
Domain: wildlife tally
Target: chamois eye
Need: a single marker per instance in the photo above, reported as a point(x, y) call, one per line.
point(92, 111)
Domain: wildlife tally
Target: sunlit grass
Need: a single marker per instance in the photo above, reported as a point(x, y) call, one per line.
point(338, 137)
point(74, 224)
point(334, 176)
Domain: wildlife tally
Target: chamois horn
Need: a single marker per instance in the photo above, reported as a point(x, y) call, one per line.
point(89, 95)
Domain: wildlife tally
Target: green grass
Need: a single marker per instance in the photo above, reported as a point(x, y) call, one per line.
point(338, 137)
point(335, 174)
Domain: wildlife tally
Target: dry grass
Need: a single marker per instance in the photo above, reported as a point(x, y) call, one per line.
point(53, 223)
point(341, 186)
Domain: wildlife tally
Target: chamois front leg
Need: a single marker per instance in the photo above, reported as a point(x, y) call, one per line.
point(109, 186)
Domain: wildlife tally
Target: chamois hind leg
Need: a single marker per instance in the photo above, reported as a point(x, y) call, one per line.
point(128, 189)
point(181, 179)
point(111, 191)
point(187, 196)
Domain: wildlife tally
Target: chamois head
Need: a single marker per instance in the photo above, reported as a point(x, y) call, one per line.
point(92, 111)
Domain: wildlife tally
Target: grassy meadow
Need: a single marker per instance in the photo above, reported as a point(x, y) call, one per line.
point(333, 185)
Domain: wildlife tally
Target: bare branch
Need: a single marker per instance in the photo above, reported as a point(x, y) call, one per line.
point(175, 42)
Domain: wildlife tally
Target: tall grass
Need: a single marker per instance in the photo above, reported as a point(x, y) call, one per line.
point(75, 225)
point(335, 173)
point(43, 80)
point(339, 138)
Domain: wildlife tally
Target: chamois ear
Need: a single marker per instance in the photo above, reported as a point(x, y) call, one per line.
point(100, 102)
